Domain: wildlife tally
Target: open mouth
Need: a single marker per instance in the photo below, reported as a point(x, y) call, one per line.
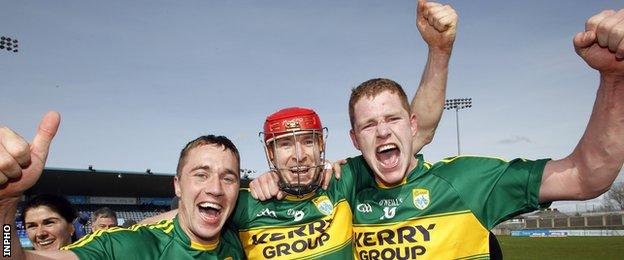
point(388, 155)
point(299, 175)
point(210, 211)
point(44, 243)
point(299, 169)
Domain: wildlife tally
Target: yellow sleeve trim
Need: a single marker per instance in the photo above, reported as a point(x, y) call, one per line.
point(450, 159)
point(165, 225)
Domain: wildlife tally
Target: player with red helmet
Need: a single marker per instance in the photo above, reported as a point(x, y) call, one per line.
point(294, 142)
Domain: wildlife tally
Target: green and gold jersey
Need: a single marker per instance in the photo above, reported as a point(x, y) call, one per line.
point(311, 227)
point(164, 240)
point(444, 210)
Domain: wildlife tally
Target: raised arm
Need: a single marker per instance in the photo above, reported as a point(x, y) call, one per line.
point(437, 25)
point(21, 165)
point(597, 159)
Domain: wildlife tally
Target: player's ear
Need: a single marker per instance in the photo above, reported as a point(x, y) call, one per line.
point(176, 185)
point(353, 139)
point(413, 124)
point(71, 229)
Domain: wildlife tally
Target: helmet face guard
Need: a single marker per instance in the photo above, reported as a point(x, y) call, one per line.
point(294, 143)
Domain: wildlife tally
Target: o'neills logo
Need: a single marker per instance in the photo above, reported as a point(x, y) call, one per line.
point(420, 198)
point(324, 205)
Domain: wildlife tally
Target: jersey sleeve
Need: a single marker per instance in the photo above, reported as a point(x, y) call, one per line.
point(494, 189)
point(230, 244)
point(92, 246)
point(240, 217)
point(354, 177)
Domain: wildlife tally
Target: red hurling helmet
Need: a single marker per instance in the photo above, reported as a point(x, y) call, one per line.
point(292, 126)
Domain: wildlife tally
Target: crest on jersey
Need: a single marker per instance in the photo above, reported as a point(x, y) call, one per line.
point(324, 205)
point(420, 198)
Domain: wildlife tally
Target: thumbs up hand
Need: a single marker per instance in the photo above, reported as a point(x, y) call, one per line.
point(21, 163)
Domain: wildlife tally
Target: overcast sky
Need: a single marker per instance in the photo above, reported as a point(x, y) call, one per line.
point(135, 80)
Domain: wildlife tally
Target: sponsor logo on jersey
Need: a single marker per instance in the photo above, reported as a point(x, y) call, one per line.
point(323, 236)
point(266, 212)
point(407, 242)
point(324, 205)
point(364, 208)
point(297, 214)
point(420, 198)
point(432, 237)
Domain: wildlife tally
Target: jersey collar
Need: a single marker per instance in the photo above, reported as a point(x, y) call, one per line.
point(187, 241)
point(422, 167)
point(307, 196)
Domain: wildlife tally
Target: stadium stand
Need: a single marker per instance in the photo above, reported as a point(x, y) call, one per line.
point(552, 219)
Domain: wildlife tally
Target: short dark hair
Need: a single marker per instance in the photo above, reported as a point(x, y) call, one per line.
point(104, 212)
point(207, 140)
point(56, 203)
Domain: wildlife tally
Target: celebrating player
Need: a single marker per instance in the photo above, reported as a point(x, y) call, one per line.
point(440, 211)
point(207, 182)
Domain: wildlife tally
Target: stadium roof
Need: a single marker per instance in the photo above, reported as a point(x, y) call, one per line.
point(103, 183)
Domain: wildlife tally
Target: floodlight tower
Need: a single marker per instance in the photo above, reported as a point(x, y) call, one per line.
point(8, 44)
point(457, 104)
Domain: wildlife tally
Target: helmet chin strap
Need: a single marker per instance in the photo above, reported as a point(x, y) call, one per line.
point(298, 189)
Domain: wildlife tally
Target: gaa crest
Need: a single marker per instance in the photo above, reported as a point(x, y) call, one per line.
point(324, 205)
point(420, 198)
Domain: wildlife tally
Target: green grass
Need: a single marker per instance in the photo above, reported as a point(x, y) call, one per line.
point(567, 248)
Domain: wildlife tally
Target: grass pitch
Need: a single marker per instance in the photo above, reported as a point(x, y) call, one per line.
point(567, 248)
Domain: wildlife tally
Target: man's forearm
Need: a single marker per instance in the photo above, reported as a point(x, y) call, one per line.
point(428, 102)
point(597, 159)
point(8, 210)
point(600, 152)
